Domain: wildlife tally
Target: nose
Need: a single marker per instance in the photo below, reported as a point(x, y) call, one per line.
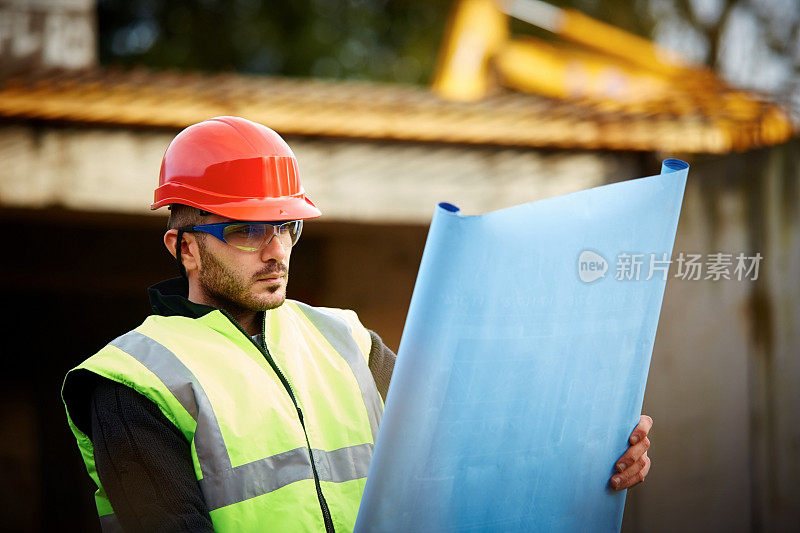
point(274, 249)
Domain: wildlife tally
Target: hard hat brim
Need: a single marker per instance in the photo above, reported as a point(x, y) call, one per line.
point(297, 207)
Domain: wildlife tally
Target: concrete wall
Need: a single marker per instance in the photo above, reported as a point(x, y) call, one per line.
point(724, 385)
point(115, 170)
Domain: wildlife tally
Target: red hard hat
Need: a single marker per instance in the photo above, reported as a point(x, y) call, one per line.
point(235, 168)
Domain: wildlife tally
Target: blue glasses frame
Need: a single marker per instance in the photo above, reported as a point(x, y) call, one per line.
point(218, 230)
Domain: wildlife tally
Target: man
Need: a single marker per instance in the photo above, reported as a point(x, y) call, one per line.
point(231, 408)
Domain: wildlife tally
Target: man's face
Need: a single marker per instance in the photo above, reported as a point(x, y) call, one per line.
point(240, 281)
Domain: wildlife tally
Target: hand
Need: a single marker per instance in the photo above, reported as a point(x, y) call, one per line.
point(634, 464)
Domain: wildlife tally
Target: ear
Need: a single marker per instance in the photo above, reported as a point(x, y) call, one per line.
point(190, 252)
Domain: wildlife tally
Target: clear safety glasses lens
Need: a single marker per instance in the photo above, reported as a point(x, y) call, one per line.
point(250, 237)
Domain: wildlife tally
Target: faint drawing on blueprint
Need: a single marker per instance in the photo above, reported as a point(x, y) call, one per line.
point(523, 364)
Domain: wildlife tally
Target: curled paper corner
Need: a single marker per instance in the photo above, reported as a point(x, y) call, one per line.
point(673, 165)
point(449, 208)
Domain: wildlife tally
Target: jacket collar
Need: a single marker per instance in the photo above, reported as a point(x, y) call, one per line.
point(171, 298)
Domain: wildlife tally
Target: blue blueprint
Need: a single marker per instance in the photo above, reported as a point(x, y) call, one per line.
point(523, 363)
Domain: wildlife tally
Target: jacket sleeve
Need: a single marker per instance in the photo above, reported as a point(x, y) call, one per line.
point(144, 463)
point(381, 363)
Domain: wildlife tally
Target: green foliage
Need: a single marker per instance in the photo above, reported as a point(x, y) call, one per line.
point(371, 39)
point(398, 40)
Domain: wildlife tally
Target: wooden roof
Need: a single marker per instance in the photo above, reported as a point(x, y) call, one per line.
point(368, 110)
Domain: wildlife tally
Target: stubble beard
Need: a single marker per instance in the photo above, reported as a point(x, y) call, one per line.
point(234, 294)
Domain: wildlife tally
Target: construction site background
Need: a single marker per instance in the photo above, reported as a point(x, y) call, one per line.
point(391, 108)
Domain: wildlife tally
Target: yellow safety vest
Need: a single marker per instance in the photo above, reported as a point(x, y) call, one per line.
point(280, 435)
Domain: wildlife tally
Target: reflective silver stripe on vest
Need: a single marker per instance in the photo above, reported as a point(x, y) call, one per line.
point(343, 464)
point(271, 473)
point(110, 524)
point(254, 479)
point(337, 331)
point(184, 386)
point(223, 484)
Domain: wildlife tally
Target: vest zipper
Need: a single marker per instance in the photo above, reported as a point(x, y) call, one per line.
point(326, 514)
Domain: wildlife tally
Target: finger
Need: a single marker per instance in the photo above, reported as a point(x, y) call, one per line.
point(632, 454)
point(642, 429)
point(633, 475)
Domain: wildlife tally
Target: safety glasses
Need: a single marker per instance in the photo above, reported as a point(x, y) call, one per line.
point(251, 236)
